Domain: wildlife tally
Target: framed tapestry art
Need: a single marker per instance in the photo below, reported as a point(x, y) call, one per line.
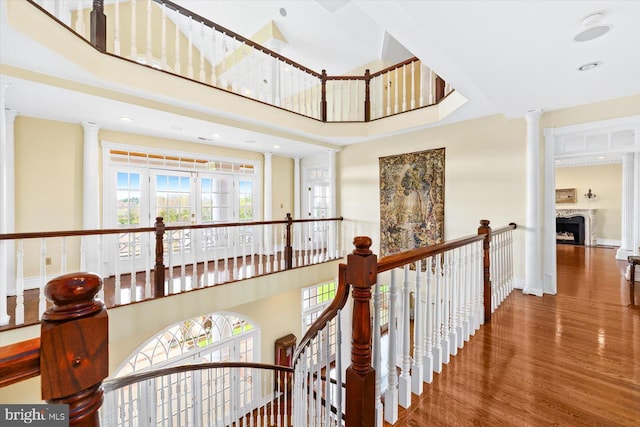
point(411, 200)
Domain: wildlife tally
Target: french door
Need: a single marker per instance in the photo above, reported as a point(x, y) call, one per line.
point(180, 198)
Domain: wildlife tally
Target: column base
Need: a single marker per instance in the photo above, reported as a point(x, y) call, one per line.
point(623, 254)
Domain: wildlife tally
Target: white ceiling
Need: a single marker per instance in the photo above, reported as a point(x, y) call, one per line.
point(505, 57)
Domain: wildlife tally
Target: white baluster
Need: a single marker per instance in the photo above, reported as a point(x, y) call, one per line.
point(432, 95)
point(177, 60)
point(63, 256)
point(396, 106)
point(462, 275)
point(202, 75)
point(413, 85)
point(83, 250)
point(404, 384)
point(377, 360)
point(149, 53)
point(19, 314)
point(194, 259)
point(347, 114)
point(116, 267)
point(163, 38)
point(437, 324)
point(80, 27)
point(423, 84)
point(146, 253)
point(404, 87)
point(214, 77)
point(391, 395)
point(42, 303)
point(132, 271)
point(116, 29)
point(453, 310)
point(417, 373)
point(338, 368)
point(100, 263)
point(428, 315)
point(133, 47)
point(446, 304)
point(190, 50)
point(389, 84)
point(479, 287)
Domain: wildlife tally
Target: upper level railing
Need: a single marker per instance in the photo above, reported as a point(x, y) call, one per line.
point(165, 36)
point(151, 262)
point(450, 286)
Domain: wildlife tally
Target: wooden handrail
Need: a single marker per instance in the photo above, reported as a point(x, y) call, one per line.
point(338, 303)
point(393, 67)
point(511, 226)
point(104, 231)
point(235, 35)
point(397, 260)
point(116, 383)
point(19, 361)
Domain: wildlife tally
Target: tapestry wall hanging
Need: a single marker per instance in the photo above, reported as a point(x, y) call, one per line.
point(411, 201)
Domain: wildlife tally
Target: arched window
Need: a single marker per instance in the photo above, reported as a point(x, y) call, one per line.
point(216, 337)
point(184, 397)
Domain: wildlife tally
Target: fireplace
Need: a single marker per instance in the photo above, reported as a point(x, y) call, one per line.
point(588, 230)
point(570, 230)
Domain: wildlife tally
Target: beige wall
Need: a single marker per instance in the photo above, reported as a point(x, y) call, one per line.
point(484, 176)
point(606, 182)
point(282, 181)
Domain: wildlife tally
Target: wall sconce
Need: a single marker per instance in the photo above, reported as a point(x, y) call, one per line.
point(590, 196)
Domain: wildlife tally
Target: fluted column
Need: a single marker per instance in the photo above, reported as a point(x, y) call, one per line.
point(7, 199)
point(628, 175)
point(533, 235)
point(90, 195)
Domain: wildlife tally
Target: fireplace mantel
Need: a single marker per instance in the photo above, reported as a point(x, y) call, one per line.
point(589, 216)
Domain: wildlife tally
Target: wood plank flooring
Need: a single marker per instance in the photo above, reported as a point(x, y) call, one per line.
point(569, 360)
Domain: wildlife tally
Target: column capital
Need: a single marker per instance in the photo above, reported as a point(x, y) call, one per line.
point(91, 128)
point(533, 115)
point(10, 115)
point(267, 155)
point(4, 85)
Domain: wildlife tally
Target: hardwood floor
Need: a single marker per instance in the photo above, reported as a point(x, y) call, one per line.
point(570, 360)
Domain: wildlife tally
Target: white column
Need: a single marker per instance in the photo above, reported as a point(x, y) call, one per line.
point(332, 182)
point(7, 200)
point(636, 196)
point(91, 195)
point(628, 175)
point(268, 204)
point(296, 188)
point(533, 240)
point(549, 246)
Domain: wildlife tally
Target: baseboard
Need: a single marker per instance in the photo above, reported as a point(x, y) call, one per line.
point(518, 283)
point(607, 242)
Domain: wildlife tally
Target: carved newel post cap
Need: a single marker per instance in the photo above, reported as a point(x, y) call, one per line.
point(73, 296)
point(485, 222)
point(362, 244)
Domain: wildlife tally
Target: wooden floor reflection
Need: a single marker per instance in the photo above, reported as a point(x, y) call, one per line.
point(570, 360)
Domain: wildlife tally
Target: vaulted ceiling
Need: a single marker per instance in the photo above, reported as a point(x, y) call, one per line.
point(505, 57)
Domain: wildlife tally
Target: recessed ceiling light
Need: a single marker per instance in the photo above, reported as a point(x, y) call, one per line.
point(601, 157)
point(215, 135)
point(592, 33)
point(283, 12)
point(126, 119)
point(589, 66)
point(594, 18)
point(276, 146)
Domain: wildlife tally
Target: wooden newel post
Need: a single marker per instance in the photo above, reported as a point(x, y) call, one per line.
point(323, 97)
point(98, 22)
point(362, 267)
point(486, 244)
point(158, 272)
point(74, 346)
point(288, 250)
point(439, 88)
point(367, 95)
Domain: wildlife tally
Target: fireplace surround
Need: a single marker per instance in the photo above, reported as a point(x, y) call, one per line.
point(589, 216)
